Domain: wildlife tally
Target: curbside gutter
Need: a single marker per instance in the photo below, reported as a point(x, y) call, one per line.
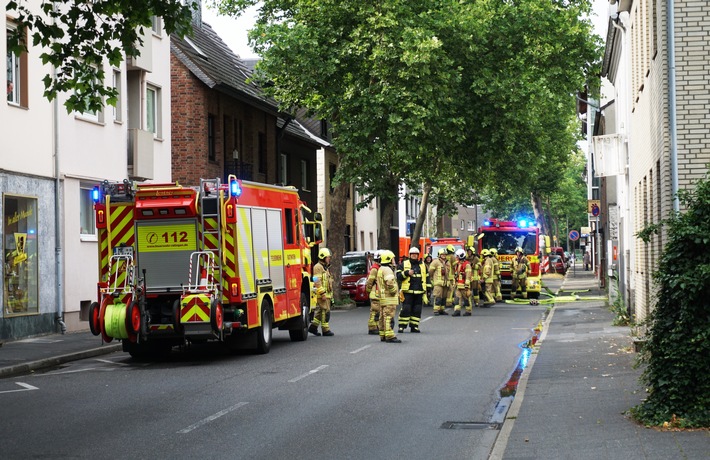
point(57, 360)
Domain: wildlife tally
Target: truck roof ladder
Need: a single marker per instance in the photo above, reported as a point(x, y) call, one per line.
point(210, 208)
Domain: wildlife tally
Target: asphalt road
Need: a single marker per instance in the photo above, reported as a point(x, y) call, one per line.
point(343, 397)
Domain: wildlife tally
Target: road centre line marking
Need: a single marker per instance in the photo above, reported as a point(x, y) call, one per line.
point(426, 319)
point(360, 349)
point(313, 371)
point(212, 417)
point(25, 387)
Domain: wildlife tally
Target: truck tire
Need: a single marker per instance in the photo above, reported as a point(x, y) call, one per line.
point(301, 333)
point(264, 332)
point(216, 317)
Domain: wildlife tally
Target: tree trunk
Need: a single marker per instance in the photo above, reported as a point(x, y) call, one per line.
point(336, 234)
point(386, 217)
point(536, 202)
point(421, 216)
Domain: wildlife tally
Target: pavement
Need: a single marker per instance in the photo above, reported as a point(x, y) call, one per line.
point(572, 397)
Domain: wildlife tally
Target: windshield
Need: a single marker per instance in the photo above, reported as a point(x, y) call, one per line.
point(354, 265)
point(506, 242)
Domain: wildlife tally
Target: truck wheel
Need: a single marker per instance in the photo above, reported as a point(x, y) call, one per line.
point(94, 312)
point(301, 333)
point(177, 325)
point(102, 317)
point(264, 332)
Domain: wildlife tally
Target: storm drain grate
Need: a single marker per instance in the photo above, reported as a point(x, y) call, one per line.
point(470, 426)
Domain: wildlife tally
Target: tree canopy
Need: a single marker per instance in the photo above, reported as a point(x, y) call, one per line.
point(463, 95)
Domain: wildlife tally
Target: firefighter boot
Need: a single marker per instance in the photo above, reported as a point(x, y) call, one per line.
point(313, 329)
point(328, 333)
point(456, 313)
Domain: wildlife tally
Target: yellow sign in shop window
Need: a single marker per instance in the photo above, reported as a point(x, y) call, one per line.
point(159, 238)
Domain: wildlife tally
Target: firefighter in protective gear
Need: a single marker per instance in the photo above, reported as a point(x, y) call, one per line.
point(438, 272)
point(428, 297)
point(496, 275)
point(488, 266)
point(451, 275)
point(521, 268)
point(371, 289)
point(475, 277)
point(389, 297)
point(463, 285)
point(323, 284)
point(412, 276)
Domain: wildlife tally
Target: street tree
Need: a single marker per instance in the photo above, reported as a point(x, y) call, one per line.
point(78, 38)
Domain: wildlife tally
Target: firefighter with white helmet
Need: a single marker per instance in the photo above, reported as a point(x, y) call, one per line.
point(438, 273)
point(323, 284)
point(451, 275)
point(389, 296)
point(463, 284)
point(521, 268)
point(371, 289)
point(488, 266)
point(412, 276)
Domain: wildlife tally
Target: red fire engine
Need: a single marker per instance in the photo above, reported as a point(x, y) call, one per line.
point(505, 236)
point(226, 262)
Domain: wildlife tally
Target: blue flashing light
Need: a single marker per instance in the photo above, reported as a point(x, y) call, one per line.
point(235, 189)
point(95, 194)
point(486, 223)
point(522, 223)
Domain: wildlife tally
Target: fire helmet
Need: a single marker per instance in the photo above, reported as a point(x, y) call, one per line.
point(323, 253)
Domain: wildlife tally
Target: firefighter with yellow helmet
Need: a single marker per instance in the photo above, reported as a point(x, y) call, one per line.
point(475, 262)
point(412, 276)
point(389, 296)
point(488, 266)
point(496, 275)
point(438, 273)
point(371, 289)
point(521, 268)
point(323, 284)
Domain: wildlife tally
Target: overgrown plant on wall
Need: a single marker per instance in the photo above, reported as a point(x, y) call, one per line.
point(678, 343)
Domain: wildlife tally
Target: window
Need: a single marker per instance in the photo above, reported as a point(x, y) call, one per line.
point(304, 175)
point(332, 170)
point(153, 118)
point(20, 268)
point(463, 224)
point(86, 212)
point(95, 116)
point(470, 225)
point(117, 84)
point(16, 74)
point(157, 25)
point(283, 169)
point(211, 155)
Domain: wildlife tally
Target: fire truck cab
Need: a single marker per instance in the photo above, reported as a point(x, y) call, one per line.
point(222, 262)
point(505, 236)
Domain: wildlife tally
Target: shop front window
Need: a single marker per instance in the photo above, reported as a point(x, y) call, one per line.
point(20, 268)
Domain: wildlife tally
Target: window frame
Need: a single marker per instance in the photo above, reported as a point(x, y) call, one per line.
point(19, 71)
point(305, 185)
point(156, 114)
point(86, 214)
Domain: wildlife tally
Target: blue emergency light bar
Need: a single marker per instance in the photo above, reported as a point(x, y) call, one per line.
point(234, 188)
point(95, 194)
point(522, 223)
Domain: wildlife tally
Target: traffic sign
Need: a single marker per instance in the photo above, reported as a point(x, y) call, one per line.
point(574, 235)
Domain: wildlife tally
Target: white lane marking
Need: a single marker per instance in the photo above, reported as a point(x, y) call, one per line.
point(212, 417)
point(426, 319)
point(360, 349)
point(317, 369)
point(73, 371)
point(111, 362)
point(25, 386)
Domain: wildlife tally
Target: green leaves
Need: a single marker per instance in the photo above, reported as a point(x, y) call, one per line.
point(678, 346)
point(79, 38)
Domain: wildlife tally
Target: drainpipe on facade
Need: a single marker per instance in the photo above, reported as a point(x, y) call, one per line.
point(59, 266)
point(672, 102)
